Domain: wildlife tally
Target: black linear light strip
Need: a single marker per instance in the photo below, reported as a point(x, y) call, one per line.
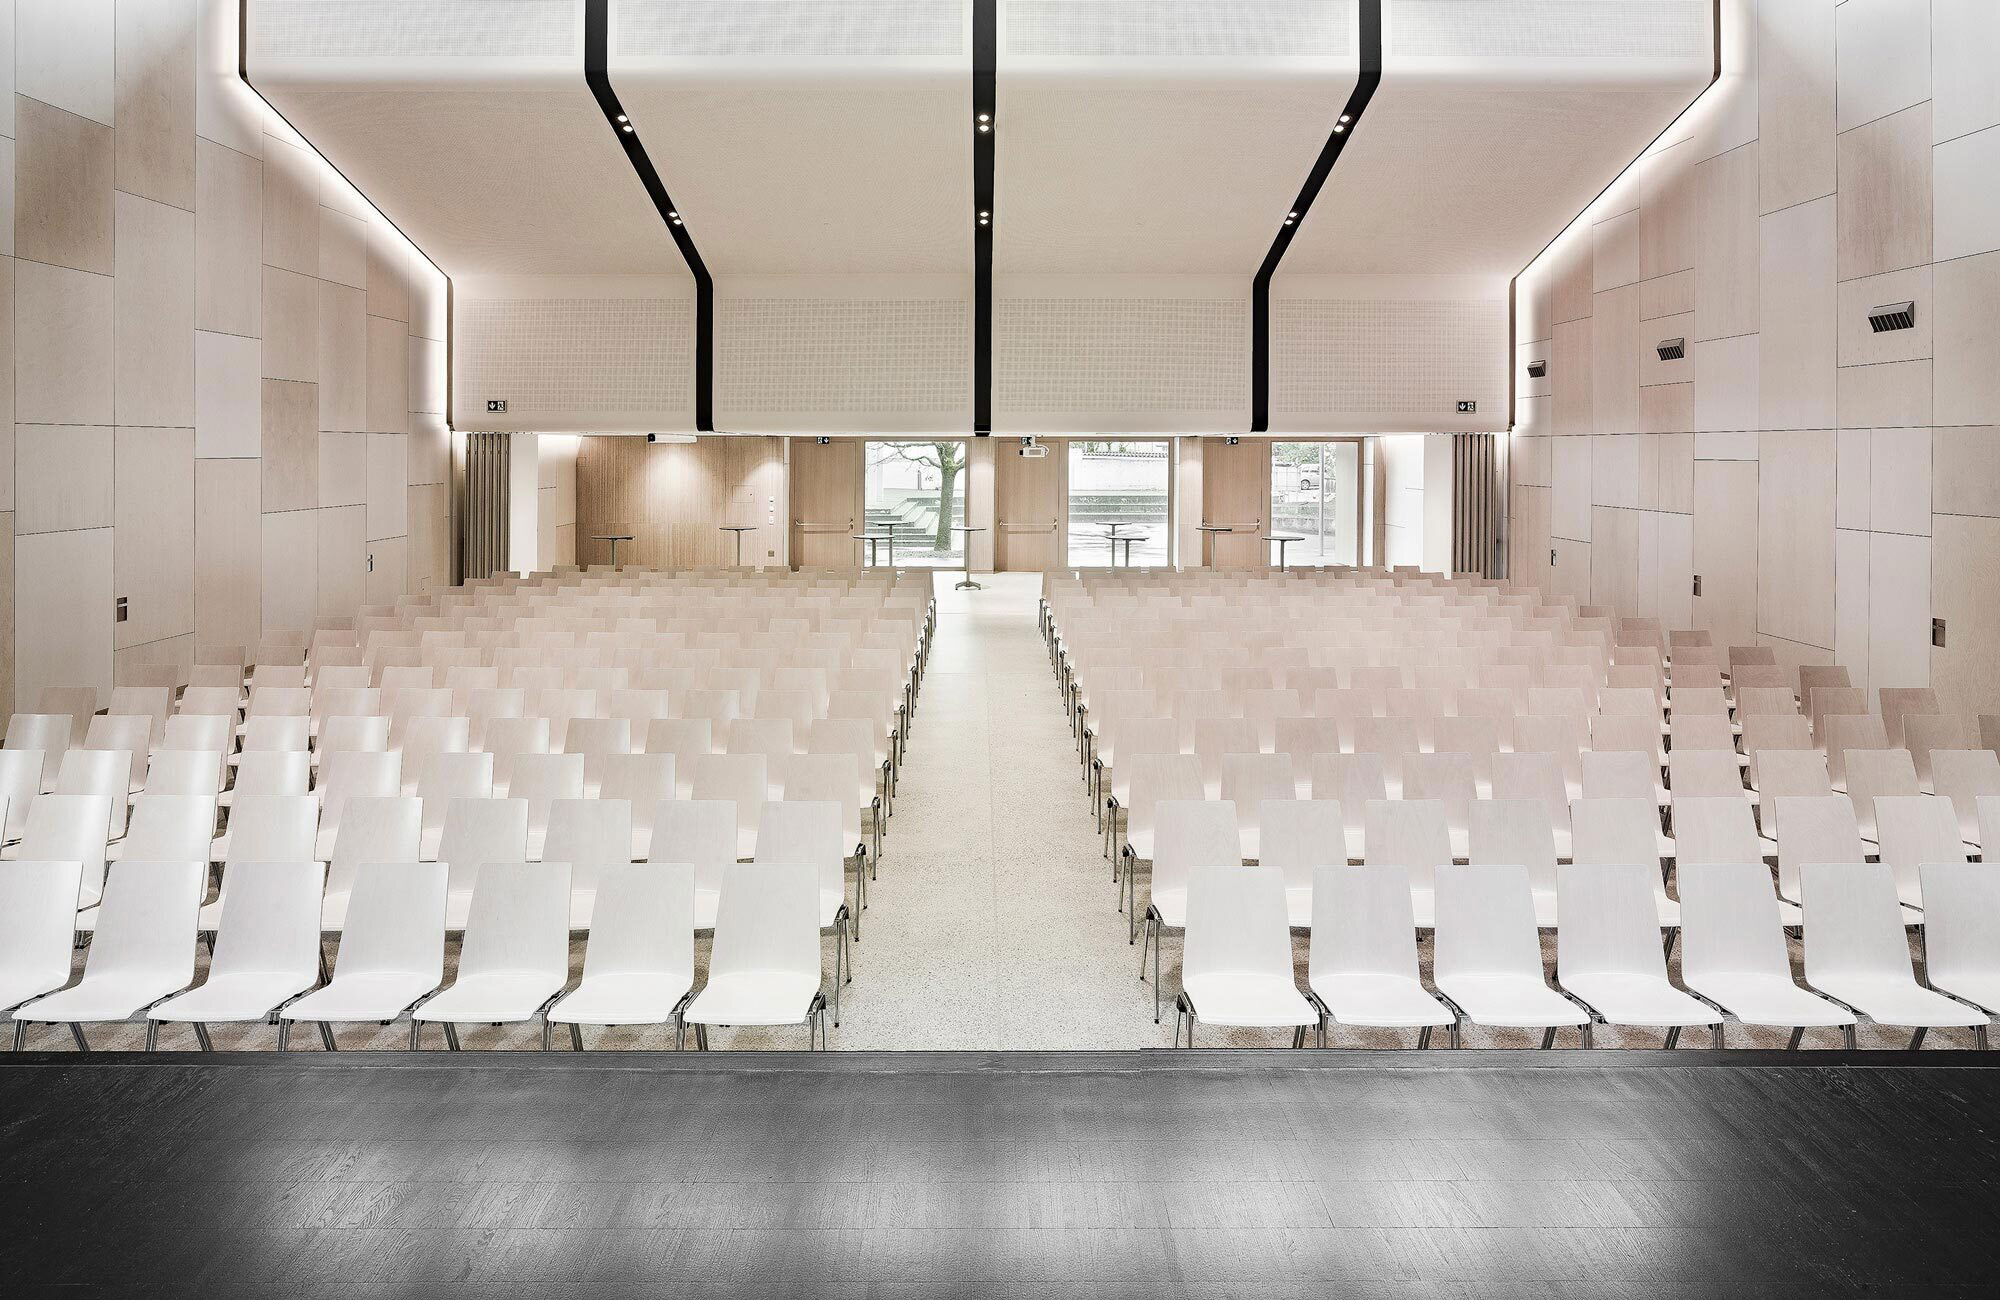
point(596, 72)
point(985, 124)
point(243, 75)
point(1336, 140)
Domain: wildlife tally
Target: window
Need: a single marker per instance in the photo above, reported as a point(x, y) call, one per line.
point(915, 492)
point(1124, 484)
point(1315, 496)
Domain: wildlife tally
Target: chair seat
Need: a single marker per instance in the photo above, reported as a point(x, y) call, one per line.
point(1261, 1001)
point(1299, 907)
point(1511, 1000)
point(246, 995)
point(1380, 1001)
point(1758, 999)
point(106, 997)
point(1983, 989)
point(623, 999)
point(17, 987)
point(375, 995)
point(1626, 998)
point(705, 901)
point(1171, 904)
point(1888, 1000)
point(1141, 840)
point(754, 998)
point(497, 996)
point(831, 902)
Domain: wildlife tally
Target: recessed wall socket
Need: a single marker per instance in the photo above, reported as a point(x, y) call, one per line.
point(1697, 584)
point(122, 610)
point(1937, 633)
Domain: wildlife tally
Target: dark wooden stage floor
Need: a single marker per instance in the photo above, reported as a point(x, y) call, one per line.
point(1148, 1175)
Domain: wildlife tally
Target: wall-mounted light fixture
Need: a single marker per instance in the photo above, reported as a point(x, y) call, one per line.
point(1892, 316)
point(1538, 370)
point(1671, 349)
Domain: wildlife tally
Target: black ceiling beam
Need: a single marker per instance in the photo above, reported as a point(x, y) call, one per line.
point(985, 125)
point(596, 72)
point(1336, 140)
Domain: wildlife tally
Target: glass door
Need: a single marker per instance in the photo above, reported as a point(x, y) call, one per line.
point(1315, 496)
point(1122, 488)
point(914, 492)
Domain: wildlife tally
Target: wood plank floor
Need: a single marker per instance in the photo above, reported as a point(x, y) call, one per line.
point(1216, 1173)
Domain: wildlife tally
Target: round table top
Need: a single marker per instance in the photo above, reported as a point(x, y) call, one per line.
point(611, 537)
point(1113, 528)
point(1215, 528)
point(1130, 537)
point(1283, 537)
point(738, 528)
point(968, 528)
point(874, 537)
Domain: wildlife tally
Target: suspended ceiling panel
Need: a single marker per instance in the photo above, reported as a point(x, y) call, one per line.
point(1139, 136)
point(807, 136)
point(469, 124)
point(1495, 123)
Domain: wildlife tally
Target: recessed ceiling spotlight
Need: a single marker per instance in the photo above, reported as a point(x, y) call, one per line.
point(1289, 220)
point(623, 118)
point(626, 127)
point(984, 127)
point(984, 213)
point(986, 117)
point(1346, 117)
point(1339, 127)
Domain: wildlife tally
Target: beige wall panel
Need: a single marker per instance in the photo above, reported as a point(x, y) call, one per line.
point(388, 272)
point(1725, 282)
point(1614, 354)
point(1850, 603)
point(153, 314)
point(429, 557)
point(228, 396)
point(291, 326)
point(1967, 316)
point(1537, 306)
point(426, 381)
point(6, 384)
point(1614, 558)
point(1795, 536)
point(62, 345)
point(388, 377)
point(1899, 481)
point(343, 358)
point(1965, 471)
point(343, 249)
point(7, 612)
point(1655, 370)
point(1899, 610)
point(1893, 395)
point(1666, 472)
point(1667, 408)
point(1570, 377)
point(1615, 461)
point(1236, 490)
point(291, 446)
point(1533, 416)
point(228, 541)
point(1854, 457)
point(62, 477)
point(1528, 460)
point(1614, 252)
point(388, 485)
point(1569, 495)
point(1571, 276)
point(430, 448)
point(228, 241)
point(756, 479)
point(1795, 53)
point(63, 170)
point(1884, 201)
point(1667, 567)
point(1799, 308)
point(154, 80)
point(343, 469)
point(1569, 576)
point(1725, 549)
point(1666, 213)
point(63, 54)
point(291, 208)
point(290, 570)
point(62, 611)
point(1965, 95)
point(826, 503)
point(1883, 58)
point(343, 560)
point(1725, 384)
point(1028, 509)
point(153, 538)
point(1859, 344)
point(1668, 295)
point(1965, 573)
point(1968, 195)
point(388, 569)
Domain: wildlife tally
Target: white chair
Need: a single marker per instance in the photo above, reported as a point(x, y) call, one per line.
point(1857, 953)
point(478, 832)
point(130, 733)
point(701, 832)
point(69, 828)
point(266, 949)
point(1411, 834)
point(1873, 773)
point(741, 779)
point(353, 774)
point(264, 828)
point(1517, 832)
point(445, 778)
point(37, 931)
point(515, 958)
point(508, 740)
point(541, 779)
point(1236, 956)
point(764, 967)
point(683, 738)
point(375, 829)
point(591, 836)
point(1606, 957)
point(1362, 967)
point(142, 954)
point(598, 740)
point(99, 771)
point(1299, 837)
point(639, 967)
point(811, 832)
point(1733, 951)
point(643, 781)
point(1963, 777)
point(367, 732)
point(78, 702)
point(1816, 828)
point(1449, 780)
point(47, 733)
point(1962, 933)
point(20, 782)
point(1191, 833)
point(184, 771)
point(391, 948)
point(1606, 832)
point(1537, 776)
point(1488, 954)
point(1914, 829)
point(426, 737)
point(167, 828)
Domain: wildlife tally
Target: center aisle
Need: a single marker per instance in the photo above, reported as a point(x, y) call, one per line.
point(992, 924)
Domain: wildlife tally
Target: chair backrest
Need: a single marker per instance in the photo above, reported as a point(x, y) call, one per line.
point(375, 828)
point(1537, 776)
point(1515, 831)
point(1872, 773)
point(591, 835)
point(347, 774)
point(1715, 828)
point(20, 783)
point(542, 779)
point(1192, 833)
point(1610, 923)
point(1702, 773)
point(1697, 732)
point(1853, 925)
point(146, 924)
point(1248, 780)
point(1485, 923)
point(1729, 922)
point(445, 777)
point(37, 925)
point(1615, 830)
point(273, 772)
point(78, 702)
point(98, 771)
point(1813, 828)
point(479, 831)
point(1303, 738)
point(1619, 774)
point(210, 732)
point(1236, 923)
point(642, 780)
point(370, 734)
point(1913, 829)
point(69, 828)
point(1299, 836)
point(273, 828)
point(1626, 733)
point(48, 733)
point(1351, 780)
point(1924, 734)
point(270, 920)
point(1962, 777)
point(1989, 824)
point(644, 921)
point(1157, 777)
point(518, 921)
point(738, 778)
point(1408, 833)
point(767, 921)
point(170, 827)
point(130, 732)
point(1446, 778)
point(1362, 923)
point(1787, 773)
point(1845, 733)
point(697, 831)
point(1961, 924)
point(508, 739)
point(805, 831)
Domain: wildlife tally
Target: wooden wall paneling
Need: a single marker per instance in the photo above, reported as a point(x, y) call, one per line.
point(826, 492)
point(1725, 549)
point(1028, 497)
point(1236, 490)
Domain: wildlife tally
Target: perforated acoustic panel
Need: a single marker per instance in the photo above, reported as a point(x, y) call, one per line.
point(780, 360)
point(1172, 362)
point(1553, 29)
point(665, 28)
point(1178, 28)
point(355, 29)
point(1393, 366)
point(570, 358)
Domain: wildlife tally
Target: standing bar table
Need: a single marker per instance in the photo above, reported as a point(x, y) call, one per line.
point(1111, 533)
point(739, 530)
point(1128, 539)
point(1208, 532)
point(614, 539)
point(873, 539)
point(967, 582)
point(1282, 539)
